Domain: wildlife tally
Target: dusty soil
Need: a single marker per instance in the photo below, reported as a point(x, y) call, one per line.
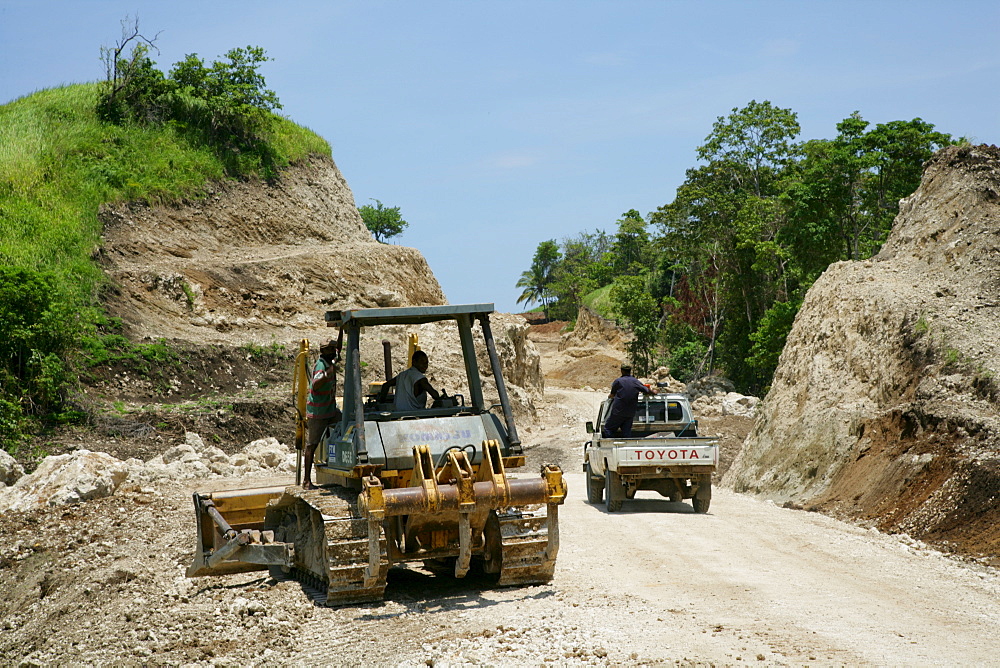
point(748, 583)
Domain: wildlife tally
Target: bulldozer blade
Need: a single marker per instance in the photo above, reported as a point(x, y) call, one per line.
point(230, 539)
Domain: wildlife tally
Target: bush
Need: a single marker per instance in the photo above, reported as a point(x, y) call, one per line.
point(37, 329)
point(686, 361)
point(11, 421)
point(225, 105)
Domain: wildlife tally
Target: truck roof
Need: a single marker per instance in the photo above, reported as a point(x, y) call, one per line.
point(406, 315)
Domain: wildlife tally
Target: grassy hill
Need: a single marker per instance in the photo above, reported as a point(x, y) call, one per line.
point(599, 301)
point(59, 162)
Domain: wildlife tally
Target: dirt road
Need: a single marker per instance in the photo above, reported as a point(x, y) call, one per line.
point(748, 583)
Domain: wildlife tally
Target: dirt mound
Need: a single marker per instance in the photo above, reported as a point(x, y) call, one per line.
point(885, 405)
point(550, 327)
point(254, 262)
point(596, 370)
point(593, 330)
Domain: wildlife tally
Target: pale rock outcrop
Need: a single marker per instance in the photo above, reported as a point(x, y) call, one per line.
point(64, 479)
point(885, 403)
point(591, 331)
point(10, 470)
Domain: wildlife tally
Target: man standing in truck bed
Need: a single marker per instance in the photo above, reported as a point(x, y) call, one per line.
point(625, 392)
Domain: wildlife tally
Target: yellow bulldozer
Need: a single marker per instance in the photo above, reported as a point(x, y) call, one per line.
point(395, 487)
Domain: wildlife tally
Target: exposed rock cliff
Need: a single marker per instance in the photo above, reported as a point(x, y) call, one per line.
point(885, 404)
point(255, 261)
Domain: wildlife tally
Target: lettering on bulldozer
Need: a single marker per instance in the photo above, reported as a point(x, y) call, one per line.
point(425, 485)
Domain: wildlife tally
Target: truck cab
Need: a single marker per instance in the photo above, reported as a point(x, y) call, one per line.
point(656, 414)
point(375, 437)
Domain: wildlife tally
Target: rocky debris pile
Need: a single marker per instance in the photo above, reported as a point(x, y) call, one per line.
point(84, 475)
point(65, 479)
point(194, 459)
point(885, 406)
point(711, 396)
point(730, 403)
point(709, 386)
point(662, 379)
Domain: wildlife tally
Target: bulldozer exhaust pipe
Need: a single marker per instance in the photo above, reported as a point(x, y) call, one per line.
point(387, 357)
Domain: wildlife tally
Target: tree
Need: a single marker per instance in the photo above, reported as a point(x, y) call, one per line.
point(631, 245)
point(723, 229)
point(225, 106)
point(571, 279)
point(756, 141)
point(536, 280)
point(847, 190)
point(234, 102)
point(132, 84)
point(638, 309)
point(383, 222)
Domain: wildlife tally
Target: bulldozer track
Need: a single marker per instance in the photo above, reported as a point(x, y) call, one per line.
point(524, 543)
point(331, 543)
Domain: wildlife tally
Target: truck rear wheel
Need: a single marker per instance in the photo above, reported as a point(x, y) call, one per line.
point(703, 497)
point(613, 491)
point(595, 487)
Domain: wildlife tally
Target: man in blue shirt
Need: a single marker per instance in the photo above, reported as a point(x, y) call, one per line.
point(625, 392)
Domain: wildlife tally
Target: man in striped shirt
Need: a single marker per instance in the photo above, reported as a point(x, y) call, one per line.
point(321, 408)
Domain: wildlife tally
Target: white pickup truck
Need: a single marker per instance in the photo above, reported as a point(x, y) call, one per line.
point(664, 454)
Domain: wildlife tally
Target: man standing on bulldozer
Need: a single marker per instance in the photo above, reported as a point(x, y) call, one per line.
point(321, 408)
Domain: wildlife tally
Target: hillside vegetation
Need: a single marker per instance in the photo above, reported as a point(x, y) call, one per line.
point(60, 161)
point(712, 280)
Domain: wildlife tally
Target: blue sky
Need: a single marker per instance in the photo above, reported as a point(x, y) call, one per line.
point(497, 125)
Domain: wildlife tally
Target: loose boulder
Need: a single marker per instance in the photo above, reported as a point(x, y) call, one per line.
point(63, 479)
point(10, 470)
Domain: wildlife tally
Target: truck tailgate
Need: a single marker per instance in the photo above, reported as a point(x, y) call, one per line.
point(665, 451)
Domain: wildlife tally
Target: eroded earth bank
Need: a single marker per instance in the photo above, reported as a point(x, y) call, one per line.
point(883, 418)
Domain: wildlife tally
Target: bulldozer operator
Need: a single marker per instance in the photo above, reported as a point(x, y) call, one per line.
point(321, 408)
point(412, 386)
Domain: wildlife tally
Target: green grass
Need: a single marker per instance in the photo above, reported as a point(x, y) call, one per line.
point(599, 301)
point(59, 163)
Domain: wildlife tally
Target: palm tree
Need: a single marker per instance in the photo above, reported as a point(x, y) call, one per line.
point(534, 282)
